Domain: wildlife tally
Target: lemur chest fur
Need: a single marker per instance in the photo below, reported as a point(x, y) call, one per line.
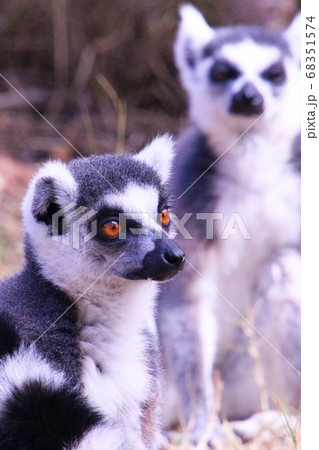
point(114, 349)
point(259, 193)
point(258, 197)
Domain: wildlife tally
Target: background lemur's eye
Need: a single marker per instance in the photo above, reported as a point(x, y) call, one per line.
point(111, 229)
point(275, 73)
point(165, 217)
point(208, 50)
point(222, 71)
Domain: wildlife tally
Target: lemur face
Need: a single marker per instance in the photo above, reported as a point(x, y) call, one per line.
point(234, 75)
point(106, 214)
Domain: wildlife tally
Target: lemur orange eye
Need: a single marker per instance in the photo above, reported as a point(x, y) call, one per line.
point(165, 218)
point(111, 229)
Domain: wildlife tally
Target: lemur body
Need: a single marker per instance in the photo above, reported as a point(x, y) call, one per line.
point(79, 353)
point(231, 161)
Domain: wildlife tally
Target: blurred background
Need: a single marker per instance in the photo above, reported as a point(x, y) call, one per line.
point(102, 73)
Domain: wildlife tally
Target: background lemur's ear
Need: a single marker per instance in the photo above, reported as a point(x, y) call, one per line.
point(52, 189)
point(159, 155)
point(193, 34)
point(293, 35)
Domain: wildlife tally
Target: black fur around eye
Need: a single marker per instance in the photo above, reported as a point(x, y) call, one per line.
point(208, 51)
point(190, 59)
point(222, 72)
point(275, 74)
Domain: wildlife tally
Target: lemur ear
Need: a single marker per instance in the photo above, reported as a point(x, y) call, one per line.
point(293, 36)
point(193, 34)
point(159, 155)
point(52, 189)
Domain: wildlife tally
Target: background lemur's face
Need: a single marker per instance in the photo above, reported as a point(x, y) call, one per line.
point(104, 213)
point(233, 75)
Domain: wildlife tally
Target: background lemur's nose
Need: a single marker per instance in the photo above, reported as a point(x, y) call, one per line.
point(247, 101)
point(174, 256)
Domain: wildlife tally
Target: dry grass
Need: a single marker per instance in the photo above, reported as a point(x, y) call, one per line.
point(234, 444)
point(64, 44)
point(14, 177)
point(286, 436)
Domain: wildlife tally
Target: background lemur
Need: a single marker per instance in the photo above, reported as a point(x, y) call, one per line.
point(239, 156)
point(79, 360)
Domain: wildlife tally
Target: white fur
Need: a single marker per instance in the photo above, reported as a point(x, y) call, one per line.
point(74, 273)
point(267, 198)
point(115, 375)
point(208, 337)
point(158, 155)
point(193, 34)
point(209, 106)
point(292, 34)
point(237, 54)
point(66, 188)
point(257, 185)
point(101, 438)
point(285, 283)
point(134, 199)
point(194, 22)
point(139, 201)
point(23, 366)
point(70, 270)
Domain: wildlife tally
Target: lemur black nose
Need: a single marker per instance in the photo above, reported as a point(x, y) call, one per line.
point(247, 101)
point(160, 264)
point(174, 256)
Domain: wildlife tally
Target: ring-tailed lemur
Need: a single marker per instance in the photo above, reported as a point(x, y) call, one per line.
point(239, 160)
point(79, 361)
